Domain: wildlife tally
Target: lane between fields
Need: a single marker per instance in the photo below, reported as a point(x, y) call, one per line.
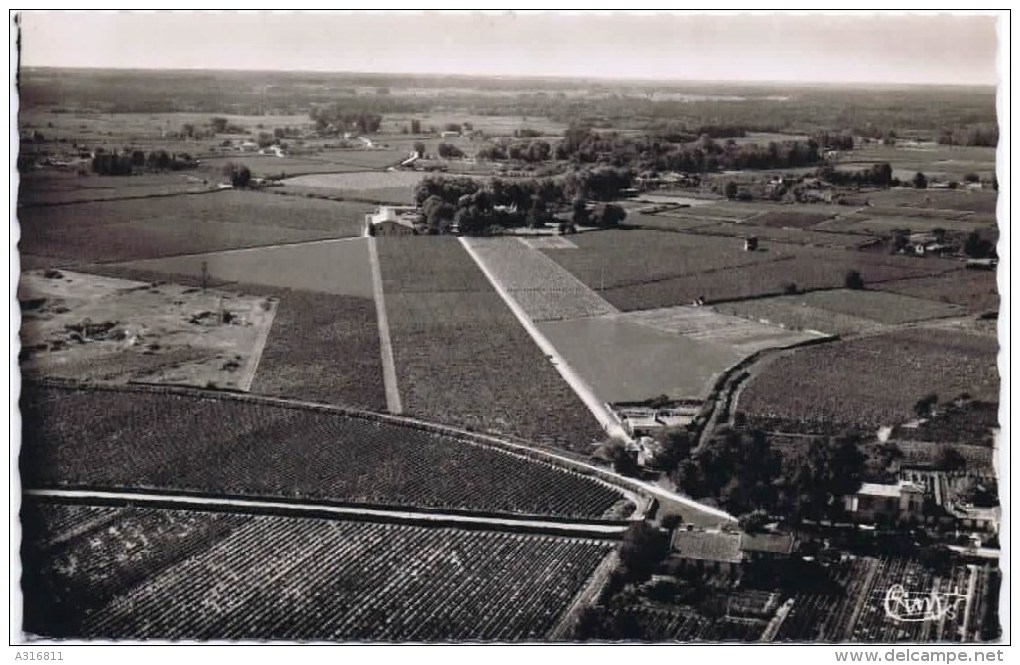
point(393, 404)
point(601, 412)
point(321, 510)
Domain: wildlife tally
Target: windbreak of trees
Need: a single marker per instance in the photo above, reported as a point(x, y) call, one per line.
point(336, 119)
point(878, 175)
point(835, 140)
point(128, 162)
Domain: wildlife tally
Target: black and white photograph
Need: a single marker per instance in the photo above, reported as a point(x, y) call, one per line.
point(510, 327)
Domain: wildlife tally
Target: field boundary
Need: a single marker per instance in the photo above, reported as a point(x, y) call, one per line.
point(604, 416)
point(252, 367)
point(124, 198)
point(393, 404)
point(290, 508)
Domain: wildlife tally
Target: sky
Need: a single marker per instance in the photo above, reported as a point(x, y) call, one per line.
point(883, 48)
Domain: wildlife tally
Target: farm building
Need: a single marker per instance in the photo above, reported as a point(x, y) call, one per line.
point(902, 501)
point(728, 552)
point(391, 221)
point(708, 551)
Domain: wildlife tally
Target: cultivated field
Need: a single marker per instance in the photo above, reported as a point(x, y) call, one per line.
point(161, 574)
point(338, 267)
point(52, 187)
point(859, 614)
point(463, 358)
point(543, 289)
point(865, 383)
point(976, 290)
point(148, 440)
point(323, 348)
point(147, 228)
point(840, 311)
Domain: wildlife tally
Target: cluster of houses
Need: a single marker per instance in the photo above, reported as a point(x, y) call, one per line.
point(910, 499)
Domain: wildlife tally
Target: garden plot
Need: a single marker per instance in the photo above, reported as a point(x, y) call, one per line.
point(544, 290)
point(338, 267)
point(99, 328)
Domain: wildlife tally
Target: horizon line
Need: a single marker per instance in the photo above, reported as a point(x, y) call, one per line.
point(524, 77)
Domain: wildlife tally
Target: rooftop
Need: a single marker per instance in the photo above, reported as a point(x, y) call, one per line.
point(708, 545)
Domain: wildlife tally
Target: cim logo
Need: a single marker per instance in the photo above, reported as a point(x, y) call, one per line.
point(902, 605)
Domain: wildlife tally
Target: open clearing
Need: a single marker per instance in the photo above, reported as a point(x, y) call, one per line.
point(339, 267)
point(173, 574)
point(104, 329)
point(113, 231)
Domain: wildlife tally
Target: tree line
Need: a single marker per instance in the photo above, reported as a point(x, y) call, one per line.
point(128, 162)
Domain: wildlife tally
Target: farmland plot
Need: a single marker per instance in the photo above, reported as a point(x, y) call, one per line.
point(137, 439)
point(262, 577)
point(323, 348)
point(976, 290)
point(148, 228)
point(50, 187)
point(869, 382)
point(338, 267)
point(678, 352)
point(807, 269)
point(841, 311)
point(463, 358)
point(543, 289)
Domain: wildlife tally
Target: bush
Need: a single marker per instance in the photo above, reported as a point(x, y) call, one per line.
point(853, 280)
point(239, 174)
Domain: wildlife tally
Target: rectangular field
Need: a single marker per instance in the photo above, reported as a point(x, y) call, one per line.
point(48, 187)
point(866, 383)
point(463, 358)
point(841, 311)
point(338, 267)
point(162, 574)
point(148, 228)
point(543, 289)
point(143, 439)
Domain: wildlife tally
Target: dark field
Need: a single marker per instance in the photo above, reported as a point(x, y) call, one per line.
point(149, 228)
point(869, 382)
point(170, 574)
point(976, 290)
point(323, 348)
point(142, 440)
point(463, 358)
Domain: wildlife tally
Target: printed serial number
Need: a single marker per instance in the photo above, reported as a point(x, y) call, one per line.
point(39, 655)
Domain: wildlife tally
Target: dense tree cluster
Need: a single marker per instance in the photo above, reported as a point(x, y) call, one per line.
point(522, 151)
point(336, 119)
point(449, 151)
point(128, 162)
point(878, 175)
point(239, 174)
point(477, 205)
point(982, 134)
point(835, 140)
point(744, 474)
point(584, 145)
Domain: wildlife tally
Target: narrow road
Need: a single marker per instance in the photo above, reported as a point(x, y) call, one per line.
point(393, 404)
point(313, 509)
point(601, 412)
